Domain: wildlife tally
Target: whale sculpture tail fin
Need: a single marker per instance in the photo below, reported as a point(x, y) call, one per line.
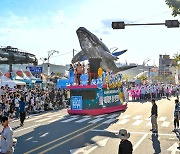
point(123, 68)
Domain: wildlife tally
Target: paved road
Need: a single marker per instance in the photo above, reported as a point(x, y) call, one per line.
point(58, 132)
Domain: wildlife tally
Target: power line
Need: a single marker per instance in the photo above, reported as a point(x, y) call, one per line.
point(63, 54)
point(149, 17)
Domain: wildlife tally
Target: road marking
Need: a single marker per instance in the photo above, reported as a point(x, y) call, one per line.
point(26, 128)
point(57, 145)
point(162, 119)
point(148, 119)
point(39, 147)
point(113, 116)
point(149, 123)
point(82, 120)
point(42, 120)
point(44, 134)
point(68, 120)
point(29, 138)
point(173, 148)
point(89, 148)
point(137, 117)
point(54, 115)
point(109, 121)
point(125, 116)
point(87, 116)
point(122, 121)
point(32, 119)
point(11, 121)
point(139, 142)
point(96, 120)
point(100, 116)
point(54, 120)
point(137, 122)
point(165, 124)
point(74, 116)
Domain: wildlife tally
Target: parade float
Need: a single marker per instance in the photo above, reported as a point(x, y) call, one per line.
point(98, 98)
point(100, 90)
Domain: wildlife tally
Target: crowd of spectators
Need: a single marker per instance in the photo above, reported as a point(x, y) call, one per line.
point(148, 92)
point(37, 100)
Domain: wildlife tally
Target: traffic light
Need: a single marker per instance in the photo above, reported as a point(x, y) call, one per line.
point(172, 23)
point(118, 25)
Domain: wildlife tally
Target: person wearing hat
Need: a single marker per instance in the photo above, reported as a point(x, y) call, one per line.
point(125, 146)
point(6, 137)
point(154, 115)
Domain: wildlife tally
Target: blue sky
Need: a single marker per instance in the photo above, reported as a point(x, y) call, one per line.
point(38, 26)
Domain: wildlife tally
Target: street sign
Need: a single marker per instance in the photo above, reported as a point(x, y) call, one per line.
point(35, 69)
point(76, 103)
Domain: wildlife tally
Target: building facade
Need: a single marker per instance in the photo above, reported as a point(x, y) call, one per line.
point(165, 65)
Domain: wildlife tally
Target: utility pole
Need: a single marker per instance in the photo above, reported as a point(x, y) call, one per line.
point(73, 52)
point(50, 53)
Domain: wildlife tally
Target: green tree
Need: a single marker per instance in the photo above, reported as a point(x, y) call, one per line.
point(142, 78)
point(175, 6)
point(177, 58)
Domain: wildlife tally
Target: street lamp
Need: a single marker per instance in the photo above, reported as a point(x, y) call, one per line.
point(144, 63)
point(50, 53)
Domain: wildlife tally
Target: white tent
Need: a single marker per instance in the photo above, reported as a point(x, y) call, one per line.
point(12, 83)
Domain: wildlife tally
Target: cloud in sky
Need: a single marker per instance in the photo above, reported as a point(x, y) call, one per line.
point(53, 25)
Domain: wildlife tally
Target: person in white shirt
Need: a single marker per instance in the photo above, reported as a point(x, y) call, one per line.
point(16, 102)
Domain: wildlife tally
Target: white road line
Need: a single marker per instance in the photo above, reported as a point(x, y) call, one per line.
point(42, 120)
point(44, 134)
point(29, 138)
point(96, 120)
point(137, 117)
point(68, 120)
point(44, 114)
point(148, 119)
point(99, 116)
point(109, 121)
point(82, 120)
point(113, 116)
point(54, 115)
point(14, 120)
point(137, 122)
point(124, 116)
point(149, 123)
point(139, 142)
point(32, 119)
point(165, 124)
point(51, 121)
point(122, 121)
point(27, 128)
point(162, 119)
point(87, 116)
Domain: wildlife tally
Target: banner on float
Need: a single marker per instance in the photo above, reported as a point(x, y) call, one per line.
point(76, 103)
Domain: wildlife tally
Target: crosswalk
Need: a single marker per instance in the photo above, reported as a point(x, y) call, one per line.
point(116, 118)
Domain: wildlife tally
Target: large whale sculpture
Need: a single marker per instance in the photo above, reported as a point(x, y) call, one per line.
point(92, 47)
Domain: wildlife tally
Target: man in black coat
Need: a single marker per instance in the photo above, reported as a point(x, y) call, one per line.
point(125, 146)
point(154, 114)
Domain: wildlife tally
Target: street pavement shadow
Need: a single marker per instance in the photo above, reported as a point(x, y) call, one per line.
point(156, 143)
